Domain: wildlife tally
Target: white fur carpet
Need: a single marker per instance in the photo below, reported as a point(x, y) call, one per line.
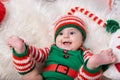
point(33, 21)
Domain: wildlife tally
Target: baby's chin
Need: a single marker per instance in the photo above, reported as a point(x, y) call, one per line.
point(67, 48)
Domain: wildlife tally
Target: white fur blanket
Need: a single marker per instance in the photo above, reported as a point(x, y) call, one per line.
point(33, 21)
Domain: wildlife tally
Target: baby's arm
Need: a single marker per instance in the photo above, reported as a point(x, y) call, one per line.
point(24, 58)
point(92, 68)
point(102, 58)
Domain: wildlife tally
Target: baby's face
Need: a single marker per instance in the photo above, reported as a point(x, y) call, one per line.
point(69, 38)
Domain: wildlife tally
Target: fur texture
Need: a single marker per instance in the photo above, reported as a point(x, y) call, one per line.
point(33, 21)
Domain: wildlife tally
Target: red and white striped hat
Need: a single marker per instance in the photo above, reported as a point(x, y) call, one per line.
point(70, 21)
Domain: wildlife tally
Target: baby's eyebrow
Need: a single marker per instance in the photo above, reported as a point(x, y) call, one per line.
point(72, 29)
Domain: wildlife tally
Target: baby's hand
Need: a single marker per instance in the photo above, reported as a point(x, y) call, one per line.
point(107, 56)
point(102, 58)
point(16, 43)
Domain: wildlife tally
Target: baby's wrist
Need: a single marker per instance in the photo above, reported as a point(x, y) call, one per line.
point(21, 54)
point(92, 64)
point(90, 68)
point(21, 49)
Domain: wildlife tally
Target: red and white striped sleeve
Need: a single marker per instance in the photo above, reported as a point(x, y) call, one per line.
point(87, 74)
point(40, 55)
point(26, 62)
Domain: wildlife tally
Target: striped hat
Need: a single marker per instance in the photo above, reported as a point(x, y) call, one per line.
point(70, 21)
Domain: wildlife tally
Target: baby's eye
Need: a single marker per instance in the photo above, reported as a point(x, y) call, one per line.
point(72, 33)
point(60, 33)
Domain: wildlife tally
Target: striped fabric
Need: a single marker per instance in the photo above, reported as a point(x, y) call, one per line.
point(69, 19)
point(88, 14)
point(84, 75)
point(26, 63)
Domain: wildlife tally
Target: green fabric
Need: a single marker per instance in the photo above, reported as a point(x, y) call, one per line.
point(21, 55)
point(70, 25)
point(112, 26)
point(91, 71)
point(56, 56)
point(103, 67)
point(75, 61)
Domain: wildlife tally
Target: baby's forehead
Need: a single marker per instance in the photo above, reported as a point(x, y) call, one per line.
point(71, 28)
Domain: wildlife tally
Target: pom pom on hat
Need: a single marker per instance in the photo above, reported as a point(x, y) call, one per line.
point(70, 21)
point(112, 26)
point(2, 11)
point(73, 21)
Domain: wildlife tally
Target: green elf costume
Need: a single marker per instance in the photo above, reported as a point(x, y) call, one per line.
point(59, 64)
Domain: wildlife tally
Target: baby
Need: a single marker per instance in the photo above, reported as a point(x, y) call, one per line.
point(67, 59)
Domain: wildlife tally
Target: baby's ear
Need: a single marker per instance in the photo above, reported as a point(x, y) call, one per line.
point(112, 26)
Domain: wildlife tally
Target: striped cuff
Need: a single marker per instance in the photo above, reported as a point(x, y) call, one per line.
point(91, 71)
point(23, 63)
point(87, 74)
point(23, 73)
point(23, 54)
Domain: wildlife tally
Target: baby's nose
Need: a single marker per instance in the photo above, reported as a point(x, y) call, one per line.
point(66, 35)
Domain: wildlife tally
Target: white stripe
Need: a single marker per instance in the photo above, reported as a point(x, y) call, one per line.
point(22, 61)
point(32, 48)
point(40, 56)
point(22, 67)
point(88, 14)
point(27, 69)
point(68, 22)
point(68, 17)
point(36, 54)
point(79, 77)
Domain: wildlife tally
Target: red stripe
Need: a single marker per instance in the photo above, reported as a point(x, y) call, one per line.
point(21, 58)
point(47, 51)
point(88, 54)
point(65, 18)
point(31, 51)
point(73, 10)
point(91, 15)
point(104, 25)
point(100, 21)
point(91, 75)
point(71, 23)
point(83, 78)
point(21, 64)
point(43, 55)
point(76, 8)
point(95, 18)
point(38, 55)
point(28, 68)
point(40, 60)
point(82, 9)
point(86, 12)
point(69, 13)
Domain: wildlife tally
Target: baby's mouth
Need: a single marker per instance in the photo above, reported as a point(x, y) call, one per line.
point(67, 43)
